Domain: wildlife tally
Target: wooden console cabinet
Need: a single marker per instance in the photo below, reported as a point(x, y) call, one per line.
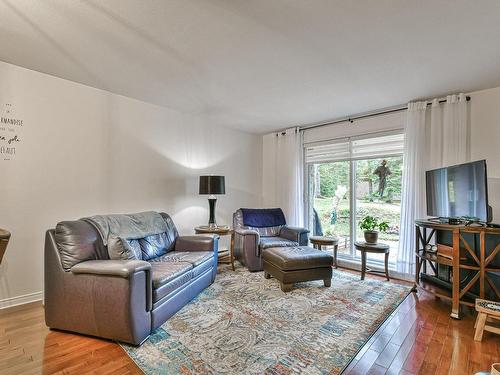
point(460, 255)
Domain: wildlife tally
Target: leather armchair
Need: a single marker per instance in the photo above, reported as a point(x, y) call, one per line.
point(250, 241)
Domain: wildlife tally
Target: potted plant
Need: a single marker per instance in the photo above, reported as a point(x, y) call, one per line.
point(371, 227)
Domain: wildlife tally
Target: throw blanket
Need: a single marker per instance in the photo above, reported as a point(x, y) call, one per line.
point(129, 226)
point(263, 217)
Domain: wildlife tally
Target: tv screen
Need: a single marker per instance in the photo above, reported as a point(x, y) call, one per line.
point(459, 191)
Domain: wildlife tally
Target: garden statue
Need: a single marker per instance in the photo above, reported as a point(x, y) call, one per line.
point(382, 172)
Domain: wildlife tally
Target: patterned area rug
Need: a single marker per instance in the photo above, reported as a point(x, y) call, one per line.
point(244, 324)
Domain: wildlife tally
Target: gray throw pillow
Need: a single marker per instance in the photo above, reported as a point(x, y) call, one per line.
point(124, 249)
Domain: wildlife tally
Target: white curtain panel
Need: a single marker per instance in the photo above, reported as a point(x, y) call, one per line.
point(432, 140)
point(413, 197)
point(436, 136)
point(289, 189)
point(455, 134)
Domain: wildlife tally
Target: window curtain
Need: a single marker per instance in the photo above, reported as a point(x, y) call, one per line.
point(413, 184)
point(434, 138)
point(289, 176)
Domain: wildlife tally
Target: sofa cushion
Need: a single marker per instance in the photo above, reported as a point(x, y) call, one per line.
point(267, 242)
point(145, 248)
point(124, 249)
point(78, 241)
point(193, 257)
point(156, 245)
point(169, 276)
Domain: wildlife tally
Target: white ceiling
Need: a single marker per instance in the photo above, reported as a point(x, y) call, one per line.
point(260, 65)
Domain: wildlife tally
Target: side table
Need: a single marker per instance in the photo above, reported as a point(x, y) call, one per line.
point(377, 248)
point(319, 241)
point(221, 230)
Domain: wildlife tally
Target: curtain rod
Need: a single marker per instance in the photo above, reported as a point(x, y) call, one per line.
point(370, 114)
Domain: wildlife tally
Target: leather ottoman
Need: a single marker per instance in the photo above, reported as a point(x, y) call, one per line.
point(299, 263)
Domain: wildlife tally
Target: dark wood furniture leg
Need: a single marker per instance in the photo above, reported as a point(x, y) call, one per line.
point(363, 264)
point(335, 249)
point(286, 287)
point(387, 266)
point(231, 249)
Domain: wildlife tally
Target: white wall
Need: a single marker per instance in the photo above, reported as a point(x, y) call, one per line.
point(86, 151)
point(485, 140)
point(269, 170)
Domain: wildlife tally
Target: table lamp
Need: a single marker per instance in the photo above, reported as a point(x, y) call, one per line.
point(211, 186)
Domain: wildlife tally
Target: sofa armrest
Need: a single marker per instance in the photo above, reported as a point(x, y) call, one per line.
point(248, 232)
point(120, 268)
point(125, 269)
point(246, 248)
point(205, 242)
point(296, 234)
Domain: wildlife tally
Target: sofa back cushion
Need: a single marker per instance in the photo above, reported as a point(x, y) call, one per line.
point(124, 249)
point(144, 248)
point(78, 241)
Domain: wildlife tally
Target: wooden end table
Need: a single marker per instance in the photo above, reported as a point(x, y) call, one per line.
point(319, 241)
point(376, 248)
point(221, 230)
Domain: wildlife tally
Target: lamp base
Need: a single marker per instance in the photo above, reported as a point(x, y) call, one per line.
point(211, 205)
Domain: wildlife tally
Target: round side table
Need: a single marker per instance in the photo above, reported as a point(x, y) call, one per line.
point(319, 241)
point(376, 248)
point(221, 230)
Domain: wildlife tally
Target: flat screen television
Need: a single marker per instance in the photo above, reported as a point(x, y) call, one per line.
point(458, 191)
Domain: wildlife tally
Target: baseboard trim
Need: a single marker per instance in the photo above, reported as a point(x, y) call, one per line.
point(21, 300)
point(356, 266)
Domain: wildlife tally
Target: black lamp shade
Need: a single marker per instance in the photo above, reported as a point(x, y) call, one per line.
point(212, 185)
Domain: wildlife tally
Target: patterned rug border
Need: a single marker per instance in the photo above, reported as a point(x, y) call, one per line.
point(387, 313)
point(392, 309)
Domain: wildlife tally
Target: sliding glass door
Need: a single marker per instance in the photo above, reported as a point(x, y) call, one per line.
point(379, 196)
point(365, 181)
point(330, 213)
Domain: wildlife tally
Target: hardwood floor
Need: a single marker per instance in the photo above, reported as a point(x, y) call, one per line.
point(421, 338)
point(27, 346)
point(418, 338)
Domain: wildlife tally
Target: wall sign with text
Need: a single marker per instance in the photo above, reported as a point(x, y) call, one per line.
point(10, 129)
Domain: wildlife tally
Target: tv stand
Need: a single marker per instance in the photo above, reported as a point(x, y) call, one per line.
point(446, 220)
point(461, 256)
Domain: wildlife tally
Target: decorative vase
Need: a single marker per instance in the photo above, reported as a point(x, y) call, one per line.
point(371, 236)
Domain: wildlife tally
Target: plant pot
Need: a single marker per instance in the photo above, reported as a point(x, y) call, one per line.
point(371, 236)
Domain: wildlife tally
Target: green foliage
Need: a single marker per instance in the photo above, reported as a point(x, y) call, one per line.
point(332, 175)
point(334, 210)
point(383, 226)
point(370, 223)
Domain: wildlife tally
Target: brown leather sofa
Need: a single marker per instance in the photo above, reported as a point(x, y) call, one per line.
point(123, 300)
point(256, 230)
